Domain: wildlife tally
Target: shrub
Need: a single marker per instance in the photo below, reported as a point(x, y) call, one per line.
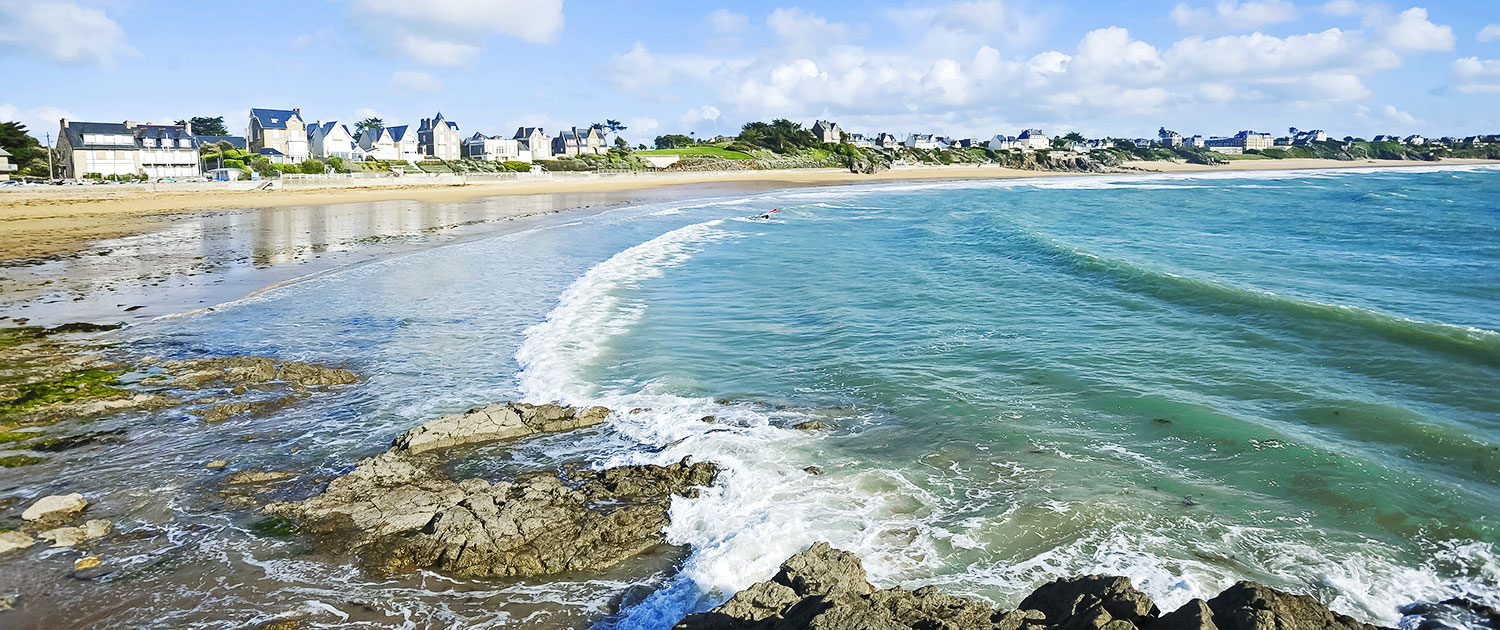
point(518, 166)
point(239, 164)
point(311, 167)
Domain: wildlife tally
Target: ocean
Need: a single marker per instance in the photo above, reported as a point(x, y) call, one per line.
point(1286, 377)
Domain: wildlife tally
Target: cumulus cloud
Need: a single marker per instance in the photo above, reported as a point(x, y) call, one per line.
point(415, 81)
point(637, 70)
point(1413, 32)
point(1477, 76)
point(1234, 15)
point(1399, 116)
point(63, 32)
point(1489, 33)
point(39, 121)
point(453, 32)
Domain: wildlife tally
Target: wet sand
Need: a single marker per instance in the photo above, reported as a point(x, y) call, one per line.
point(37, 222)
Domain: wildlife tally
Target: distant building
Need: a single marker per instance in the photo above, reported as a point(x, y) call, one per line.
point(127, 148)
point(1415, 140)
point(1003, 143)
point(1387, 138)
point(1304, 138)
point(1169, 138)
point(1034, 139)
point(887, 141)
point(495, 149)
point(6, 168)
point(921, 141)
point(826, 131)
point(965, 143)
point(1284, 141)
point(535, 139)
point(859, 140)
point(1243, 140)
point(406, 143)
point(332, 139)
point(279, 129)
point(1194, 141)
point(575, 141)
point(376, 143)
point(438, 137)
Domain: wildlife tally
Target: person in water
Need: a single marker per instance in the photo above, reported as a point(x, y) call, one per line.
point(768, 214)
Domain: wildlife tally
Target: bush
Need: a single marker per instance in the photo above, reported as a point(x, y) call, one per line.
point(311, 167)
point(517, 166)
point(239, 164)
point(338, 164)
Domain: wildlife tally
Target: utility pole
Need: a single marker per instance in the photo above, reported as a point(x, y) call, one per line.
point(50, 171)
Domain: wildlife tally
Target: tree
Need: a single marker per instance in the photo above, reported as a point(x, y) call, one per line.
point(779, 135)
point(622, 144)
point(26, 152)
point(674, 141)
point(206, 126)
point(368, 123)
point(1073, 136)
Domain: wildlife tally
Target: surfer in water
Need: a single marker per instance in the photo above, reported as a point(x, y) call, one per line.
point(768, 214)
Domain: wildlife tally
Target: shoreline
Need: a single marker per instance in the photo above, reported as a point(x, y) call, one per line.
point(37, 224)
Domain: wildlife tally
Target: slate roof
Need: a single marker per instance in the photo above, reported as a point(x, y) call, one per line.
point(272, 118)
point(76, 130)
point(398, 133)
point(268, 151)
point(523, 133)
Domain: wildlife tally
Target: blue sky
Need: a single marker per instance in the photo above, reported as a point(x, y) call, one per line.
point(965, 68)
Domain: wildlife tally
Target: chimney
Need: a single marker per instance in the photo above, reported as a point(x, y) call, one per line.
point(63, 123)
point(130, 124)
point(187, 127)
point(297, 111)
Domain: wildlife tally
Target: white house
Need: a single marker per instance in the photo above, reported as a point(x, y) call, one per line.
point(406, 142)
point(1243, 140)
point(826, 131)
point(377, 143)
point(495, 149)
point(887, 141)
point(536, 140)
point(859, 140)
point(127, 148)
point(1169, 138)
point(921, 141)
point(1195, 141)
point(1002, 142)
point(1033, 139)
point(1415, 140)
point(332, 139)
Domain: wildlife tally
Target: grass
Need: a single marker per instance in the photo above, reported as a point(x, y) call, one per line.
point(708, 151)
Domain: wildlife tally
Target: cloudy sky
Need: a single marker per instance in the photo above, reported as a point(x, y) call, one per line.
point(965, 68)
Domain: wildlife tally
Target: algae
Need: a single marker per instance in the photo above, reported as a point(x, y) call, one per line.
point(14, 461)
point(66, 387)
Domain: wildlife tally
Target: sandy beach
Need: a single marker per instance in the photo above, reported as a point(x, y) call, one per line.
point(39, 222)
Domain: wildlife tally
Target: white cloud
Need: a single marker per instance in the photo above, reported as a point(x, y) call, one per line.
point(804, 29)
point(1342, 7)
point(642, 127)
point(1489, 33)
point(1411, 31)
point(1399, 116)
point(39, 121)
point(415, 81)
point(699, 118)
point(637, 70)
point(1234, 15)
point(1477, 76)
point(725, 21)
point(63, 32)
point(453, 32)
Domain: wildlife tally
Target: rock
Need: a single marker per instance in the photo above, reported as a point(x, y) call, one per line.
point(709, 419)
point(825, 588)
point(257, 476)
point(1250, 606)
point(87, 562)
point(502, 421)
point(58, 508)
point(1447, 614)
point(14, 540)
point(309, 374)
point(813, 470)
point(810, 425)
point(1095, 601)
point(225, 411)
point(1194, 615)
point(218, 464)
point(399, 513)
point(74, 536)
point(196, 373)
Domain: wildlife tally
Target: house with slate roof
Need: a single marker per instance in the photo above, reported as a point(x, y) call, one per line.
point(535, 139)
point(376, 143)
point(332, 139)
point(439, 137)
point(496, 149)
point(407, 146)
point(827, 132)
point(281, 130)
point(577, 141)
point(127, 148)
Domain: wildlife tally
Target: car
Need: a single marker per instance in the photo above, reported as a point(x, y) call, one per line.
point(10, 182)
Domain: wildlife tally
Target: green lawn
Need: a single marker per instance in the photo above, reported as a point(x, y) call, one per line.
point(709, 151)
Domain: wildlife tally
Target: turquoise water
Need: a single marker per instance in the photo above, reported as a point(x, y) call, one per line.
point(1188, 380)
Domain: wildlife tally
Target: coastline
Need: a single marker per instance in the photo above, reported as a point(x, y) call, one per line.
point(42, 223)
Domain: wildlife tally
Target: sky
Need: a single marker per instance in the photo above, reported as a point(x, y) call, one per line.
point(970, 68)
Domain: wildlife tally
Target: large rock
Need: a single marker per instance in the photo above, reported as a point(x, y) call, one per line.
point(14, 540)
point(1250, 606)
point(502, 421)
point(826, 589)
point(1194, 615)
point(1095, 601)
point(400, 513)
point(74, 536)
point(242, 370)
point(58, 508)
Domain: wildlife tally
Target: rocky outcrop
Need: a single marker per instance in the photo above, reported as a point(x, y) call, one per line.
point(250, 370)
point(502, 421)
point(58, 508)
point(14, 541)
point(399, 513)
point(74, 536)
point(824, 588)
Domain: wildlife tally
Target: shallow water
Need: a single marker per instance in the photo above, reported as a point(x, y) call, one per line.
point(1188, 380)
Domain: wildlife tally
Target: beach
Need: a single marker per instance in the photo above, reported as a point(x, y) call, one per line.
point(36, 222)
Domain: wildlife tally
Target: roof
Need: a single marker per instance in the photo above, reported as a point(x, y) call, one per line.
point(76, 130)
point(4, 153)
point(527, 132)
point(272, 118)
point(428, 123)
point(398, 133)
point(268, 151)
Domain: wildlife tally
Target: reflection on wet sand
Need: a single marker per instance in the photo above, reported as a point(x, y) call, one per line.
point(198, 260)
